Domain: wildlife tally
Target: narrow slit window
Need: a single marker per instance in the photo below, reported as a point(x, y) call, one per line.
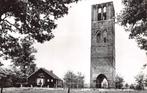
point(104, 39)
point(105, 36)
point(98, 37)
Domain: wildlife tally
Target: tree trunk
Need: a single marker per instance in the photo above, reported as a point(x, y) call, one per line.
point(68, 90)
point(1, 89)
point(2, 85)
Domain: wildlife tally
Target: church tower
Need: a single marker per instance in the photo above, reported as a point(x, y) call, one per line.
point(102, 69)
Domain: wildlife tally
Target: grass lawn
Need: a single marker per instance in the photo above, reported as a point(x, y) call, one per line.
point(49, 90)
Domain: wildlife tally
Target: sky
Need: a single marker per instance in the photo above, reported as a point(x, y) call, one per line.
point(69, 50)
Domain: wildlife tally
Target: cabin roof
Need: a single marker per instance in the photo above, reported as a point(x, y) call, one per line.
point(46, 71)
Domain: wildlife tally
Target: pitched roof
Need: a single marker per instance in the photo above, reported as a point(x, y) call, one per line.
point(48, 72)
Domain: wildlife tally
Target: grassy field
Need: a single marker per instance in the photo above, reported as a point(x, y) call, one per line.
point(48, 90)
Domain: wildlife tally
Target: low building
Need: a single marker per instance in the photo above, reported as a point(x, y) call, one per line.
point(2, 73)
point(44, 78)
point(3, 76)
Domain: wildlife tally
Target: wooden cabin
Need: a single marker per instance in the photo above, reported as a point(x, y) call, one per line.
point(44, 78)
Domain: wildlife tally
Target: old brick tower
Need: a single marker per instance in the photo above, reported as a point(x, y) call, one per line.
point(102, 70)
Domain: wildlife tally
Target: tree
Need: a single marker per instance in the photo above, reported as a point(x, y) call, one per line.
point(2, 78)
point(80, 80)
point(119, 82)
point(16, 76)
point(126, 85)
point(140, 81)
point(1, 64)
point(69, 79)
point(74, 80)
point(145, 82)
point(132, 86)
point(25, 57)
point(34, 19)
point(134, 18)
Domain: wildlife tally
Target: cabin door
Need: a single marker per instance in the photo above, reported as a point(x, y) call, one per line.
point(40, 81)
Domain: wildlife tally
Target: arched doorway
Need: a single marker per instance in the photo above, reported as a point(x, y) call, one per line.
point(101, 81)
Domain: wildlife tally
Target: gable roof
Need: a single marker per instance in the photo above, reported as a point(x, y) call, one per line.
point(46, 71)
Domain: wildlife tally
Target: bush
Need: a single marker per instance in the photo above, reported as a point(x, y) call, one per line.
point(119, 82)
point(139, 87)
point(132, 86)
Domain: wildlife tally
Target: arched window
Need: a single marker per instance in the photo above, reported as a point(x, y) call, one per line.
point(104, 13)
point(99, 13)
point(99, 10)
point(98, 37)
point(104, 9)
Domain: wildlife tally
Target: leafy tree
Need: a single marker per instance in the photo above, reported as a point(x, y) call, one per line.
point(16, 76)
point(34, 19)
point(74, 81)
point(119, 82)
point(134, 18)
point(1, 64)
point(126, 85)
point(22, 56)
point(145, 82)
point(25, 58)
point(69, 79)
point(132, 86)
point(80, 80)
point(2, 78)
point(140, 81)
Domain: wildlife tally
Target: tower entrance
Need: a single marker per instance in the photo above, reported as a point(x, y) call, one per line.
point(101, 81)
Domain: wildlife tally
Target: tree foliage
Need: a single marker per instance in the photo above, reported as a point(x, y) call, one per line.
point(140, 81)
point(134, 18)
point(14, 77)
point(74, 81)
point(35, 18)
point(22, 56)
point(31, 19)
point(119, 82)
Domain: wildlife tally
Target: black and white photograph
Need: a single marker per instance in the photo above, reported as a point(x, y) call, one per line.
point(73, 46)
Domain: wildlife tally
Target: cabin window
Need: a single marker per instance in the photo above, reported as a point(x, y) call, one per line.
point(52, 80)
point(48, 80)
